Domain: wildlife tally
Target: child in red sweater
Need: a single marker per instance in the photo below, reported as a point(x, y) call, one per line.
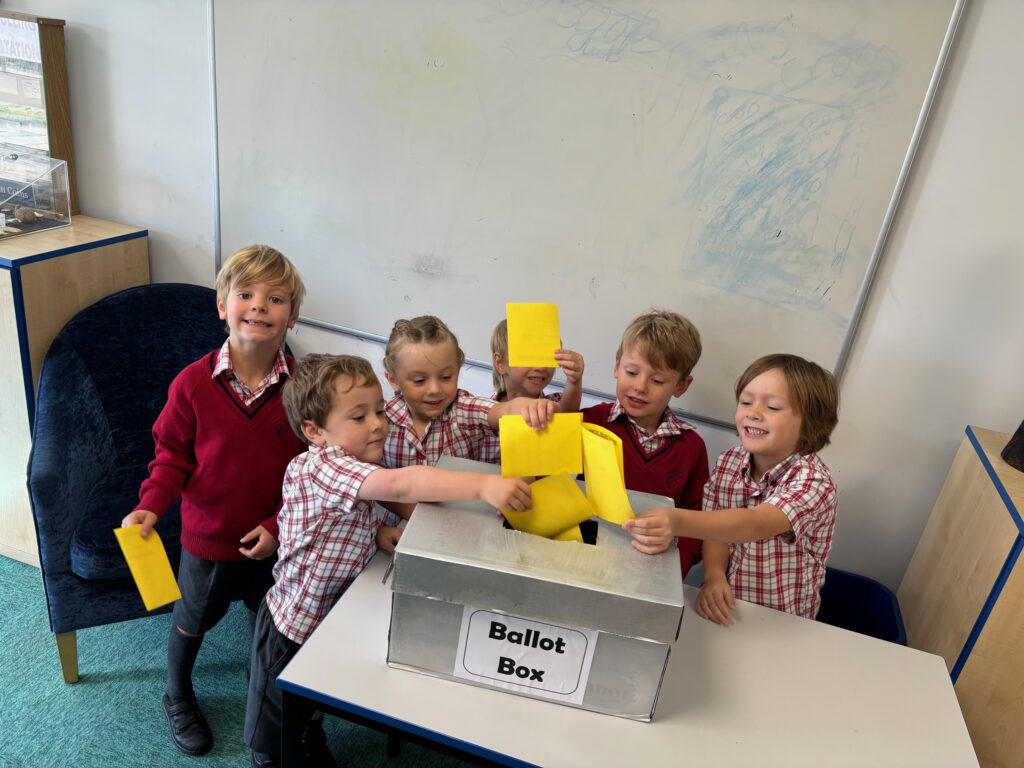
point(661, 453)
point(222, 445)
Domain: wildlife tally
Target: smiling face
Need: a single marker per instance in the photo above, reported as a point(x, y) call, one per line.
point(523, 382)
point(767, 421)
point(644, 391)
point(257, 314)
point(356, 421)
point(427, 377)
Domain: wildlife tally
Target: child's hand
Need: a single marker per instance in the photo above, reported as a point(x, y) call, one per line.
point(571, 364)
point(387, 537)
point(263, 544)
point(511, 493)
point(140, 516)
point(715, 600)
point(652, 530)
point(536, 412)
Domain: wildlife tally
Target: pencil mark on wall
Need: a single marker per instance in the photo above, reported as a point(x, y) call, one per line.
point(428, 265)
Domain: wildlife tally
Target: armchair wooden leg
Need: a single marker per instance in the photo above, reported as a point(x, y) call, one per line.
point(67, 649)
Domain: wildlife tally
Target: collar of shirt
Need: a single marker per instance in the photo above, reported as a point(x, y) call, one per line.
point(771, 477)
point(669, 425)
point(223, 365)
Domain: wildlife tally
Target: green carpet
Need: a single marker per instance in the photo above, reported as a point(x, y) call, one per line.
point(112, 716)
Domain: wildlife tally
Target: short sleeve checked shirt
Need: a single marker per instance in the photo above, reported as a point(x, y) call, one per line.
point(784, 572)
point(491, 450)
point(669, 426)
point(327, 536)
point(459, 431)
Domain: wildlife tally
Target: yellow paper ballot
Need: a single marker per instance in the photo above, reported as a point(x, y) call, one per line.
point(602, 466)
point(556, 448)
point(556, 505)
point(573, 534)
point(533, 335)
point(149, 566)
point(612, 437)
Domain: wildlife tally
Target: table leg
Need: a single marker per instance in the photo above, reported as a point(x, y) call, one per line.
point(291, 730)
point(394, 743)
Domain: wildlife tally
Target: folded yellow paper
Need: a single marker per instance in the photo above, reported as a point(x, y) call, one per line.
point(573, 534)
point(602, 467)
point(556, 505)
point(533, 335)
point(556, 448)
point(149, 566)
point(607, 434)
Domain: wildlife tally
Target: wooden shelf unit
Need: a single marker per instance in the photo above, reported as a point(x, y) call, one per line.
point(51, 275)
point(963, 593)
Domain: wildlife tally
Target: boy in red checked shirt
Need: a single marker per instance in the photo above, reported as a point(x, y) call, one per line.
point(222, 446)
point(770, 505)
point(661, 453)
point(330, 527)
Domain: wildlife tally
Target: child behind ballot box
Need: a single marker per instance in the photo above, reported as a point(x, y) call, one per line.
point(662, 454)
point(770, 505)
point(330, 528)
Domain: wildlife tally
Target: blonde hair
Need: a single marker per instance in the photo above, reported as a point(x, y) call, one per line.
point(308, 394)
point(423, 329)
point(499, 347)
point(261, 264)
point(813, 392)
point(667, 339)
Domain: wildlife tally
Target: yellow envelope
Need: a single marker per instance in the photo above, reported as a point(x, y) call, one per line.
point(556, 505)
point(149, 566)
point(556, 448)
point(533, 335)
point(573, 534)
point(607, 434)
point(602, 465)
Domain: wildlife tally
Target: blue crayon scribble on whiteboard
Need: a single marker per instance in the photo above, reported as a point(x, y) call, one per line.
point(759, 189)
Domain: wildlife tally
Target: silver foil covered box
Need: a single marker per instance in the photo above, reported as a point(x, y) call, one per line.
point(588, 626)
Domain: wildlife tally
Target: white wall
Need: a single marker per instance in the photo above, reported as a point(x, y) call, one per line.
point(939, 347)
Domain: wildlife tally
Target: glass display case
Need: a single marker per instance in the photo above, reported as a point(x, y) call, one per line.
point(33, 192)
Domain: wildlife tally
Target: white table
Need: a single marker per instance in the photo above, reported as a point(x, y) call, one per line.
point(770, 689)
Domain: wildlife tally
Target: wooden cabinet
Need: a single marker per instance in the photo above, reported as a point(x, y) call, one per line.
point(963, 594)
point(48, 277)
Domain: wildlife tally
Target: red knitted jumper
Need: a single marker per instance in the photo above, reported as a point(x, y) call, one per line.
point(678, 469)
point(224, 459)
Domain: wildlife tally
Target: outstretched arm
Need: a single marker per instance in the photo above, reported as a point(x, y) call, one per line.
point(571, 364)
point(654, 529)
point(422, 483)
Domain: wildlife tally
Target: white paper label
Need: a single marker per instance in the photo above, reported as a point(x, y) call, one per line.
point(524, 655)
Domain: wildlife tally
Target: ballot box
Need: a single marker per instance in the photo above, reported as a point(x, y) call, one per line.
point(584, 625)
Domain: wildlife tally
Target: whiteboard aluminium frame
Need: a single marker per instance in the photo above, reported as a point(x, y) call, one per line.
point(862, 294)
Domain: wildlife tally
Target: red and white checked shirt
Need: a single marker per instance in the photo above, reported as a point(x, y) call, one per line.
point(327, 536)
point(459, 431)
point(491, 450)
point(786, 571)
point(223, 365)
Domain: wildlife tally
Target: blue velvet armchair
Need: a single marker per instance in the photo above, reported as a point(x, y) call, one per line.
point(102, 385)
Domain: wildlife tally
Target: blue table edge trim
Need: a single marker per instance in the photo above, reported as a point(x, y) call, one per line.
point(1004, 573)
point(23, 350)
point(102, 243)
point(402, 725)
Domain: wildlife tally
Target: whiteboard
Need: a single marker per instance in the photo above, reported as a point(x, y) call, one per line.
point(732, 160)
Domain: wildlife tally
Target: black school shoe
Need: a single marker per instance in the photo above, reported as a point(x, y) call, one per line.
point(189, 730)
point(262, 760)
point(315, 753)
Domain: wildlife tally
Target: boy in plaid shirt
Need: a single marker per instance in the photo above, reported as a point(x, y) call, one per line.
point(329, 527)
point(770, 504)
